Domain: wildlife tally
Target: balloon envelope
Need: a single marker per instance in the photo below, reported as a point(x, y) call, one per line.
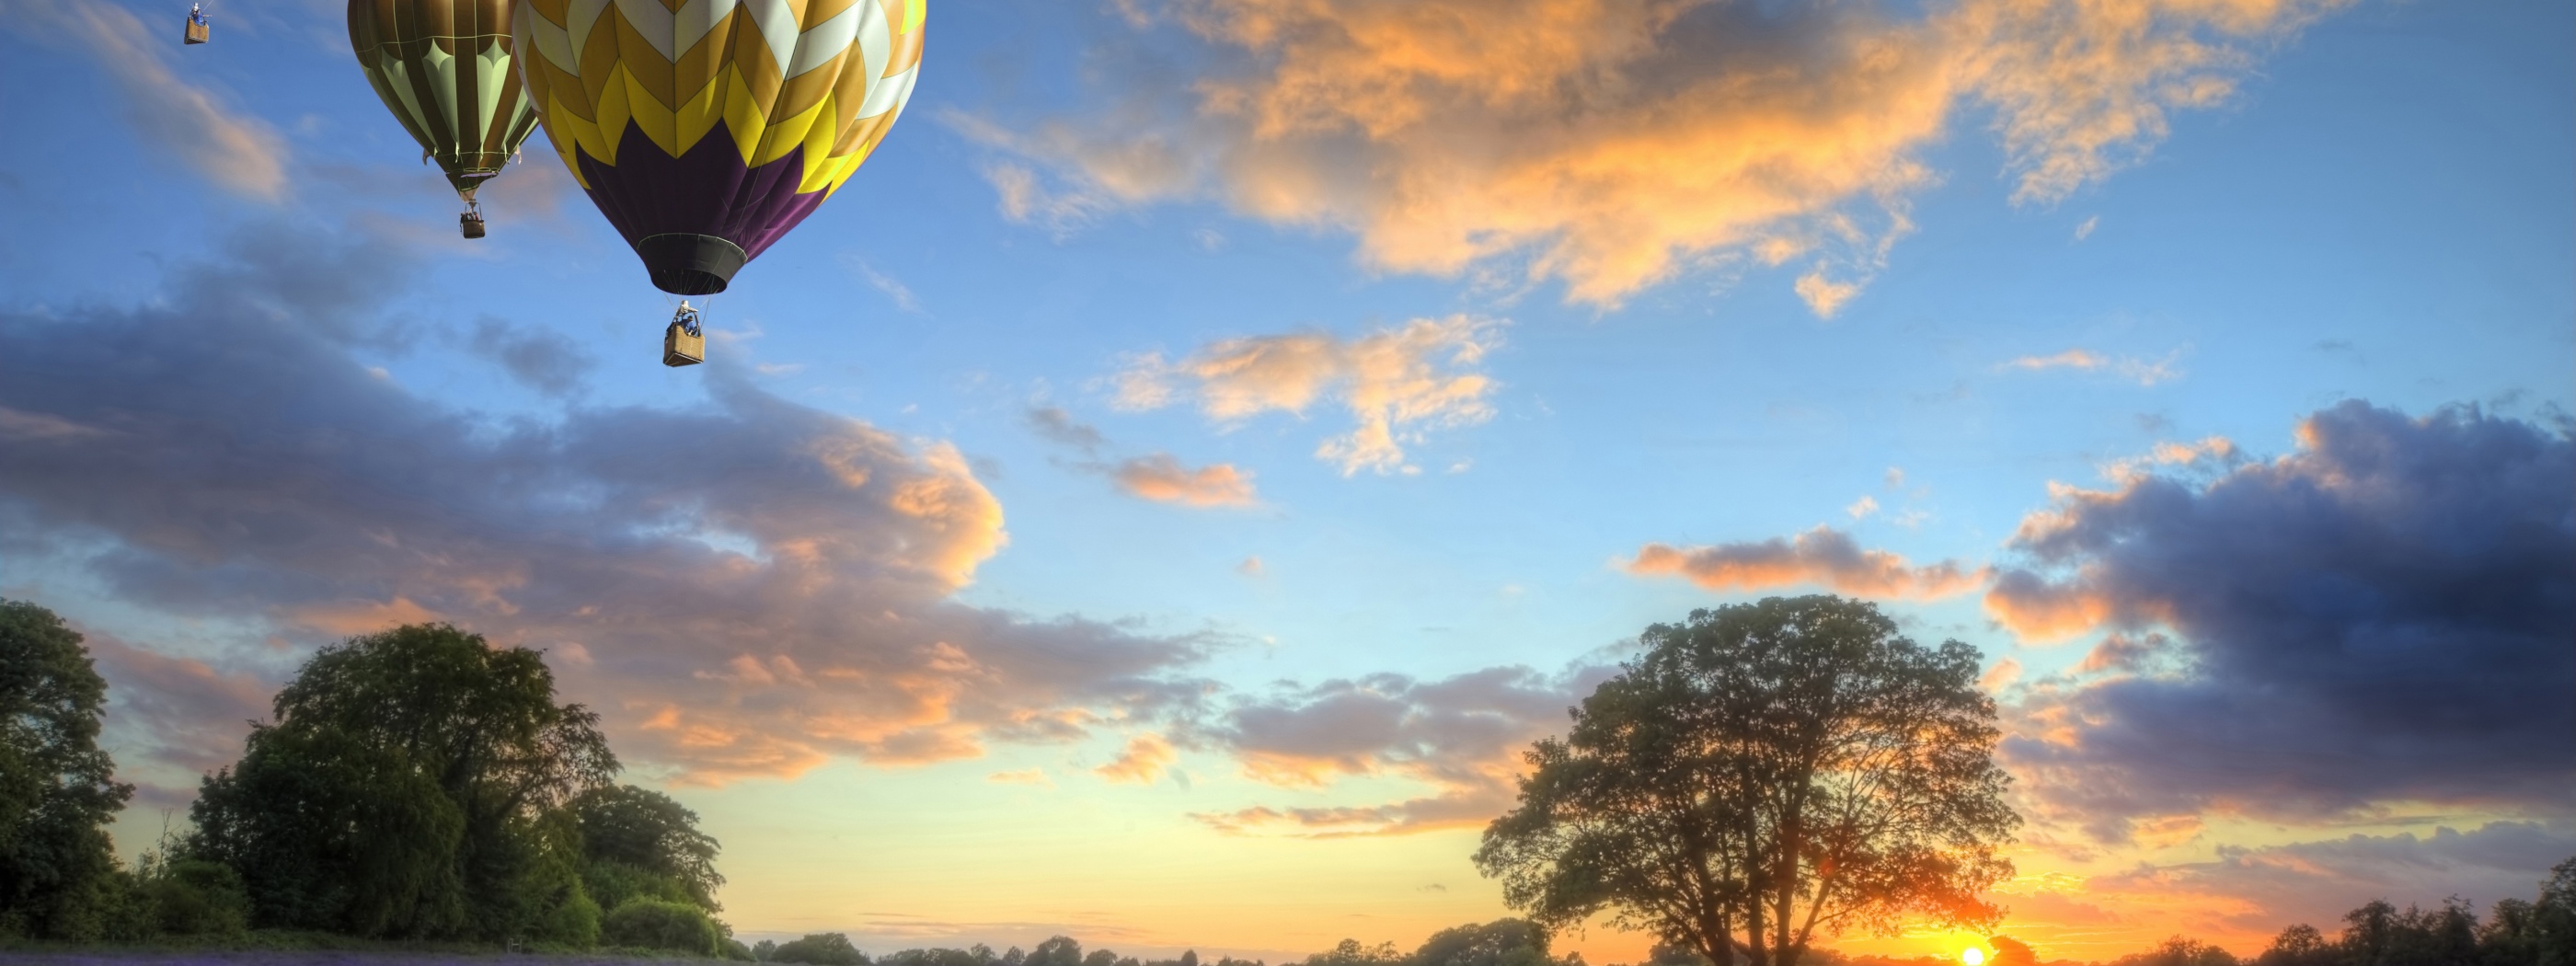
point(444, 68)
point(706, 129)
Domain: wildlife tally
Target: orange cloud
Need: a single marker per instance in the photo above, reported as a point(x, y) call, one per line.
point(2042, 612)
point(1822, 556)
point(1143, 762)
point(1395, 383)
point(1613, 144)
point(1161, 478)
point(360, 617)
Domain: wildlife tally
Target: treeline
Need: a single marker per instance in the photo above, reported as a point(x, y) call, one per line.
point(418, 784)
point(1503, 942)
point(2515, 932)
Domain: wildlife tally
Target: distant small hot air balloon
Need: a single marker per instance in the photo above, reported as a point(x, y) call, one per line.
point(444, 68)
point(705, 130)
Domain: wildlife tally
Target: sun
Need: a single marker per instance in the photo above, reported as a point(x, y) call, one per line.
point(1972, 956)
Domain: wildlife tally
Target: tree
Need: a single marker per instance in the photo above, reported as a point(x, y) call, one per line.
point(2179, 951)
point(2299, 945)
point(2553, 918)
point(57, 864)
point(413, 784)
point(1502, 942)
point(656, 924)
point(1765, 770)
point(629, 832)
point(822, 949)
point(1056, 951)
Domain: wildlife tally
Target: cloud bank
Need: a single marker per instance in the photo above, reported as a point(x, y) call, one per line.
point(778, 597)
point(2381, 616)
point(1609, 145)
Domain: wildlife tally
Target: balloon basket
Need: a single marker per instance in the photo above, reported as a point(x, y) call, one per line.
point(196, 32)
point(471, 223)
point(681, 347)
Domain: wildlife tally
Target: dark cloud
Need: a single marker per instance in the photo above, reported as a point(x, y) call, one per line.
point(745, 587)
point(1462, 736)
point(2384, 615)
point(172, 719)
point(541, 360)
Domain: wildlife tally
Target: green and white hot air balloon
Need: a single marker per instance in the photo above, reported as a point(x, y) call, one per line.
point(444, 68)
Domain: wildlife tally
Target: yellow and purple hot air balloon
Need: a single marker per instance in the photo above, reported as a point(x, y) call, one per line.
point(444, 68)
point(705, 129)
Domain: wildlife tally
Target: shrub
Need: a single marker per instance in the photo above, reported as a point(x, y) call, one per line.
point(820, 949)
point(194, 897)
point(573, 923)
point(615, 883)
point(658, 924)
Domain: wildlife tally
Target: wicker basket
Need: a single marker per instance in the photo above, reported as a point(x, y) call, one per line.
point(196, 32)
point(680, 347)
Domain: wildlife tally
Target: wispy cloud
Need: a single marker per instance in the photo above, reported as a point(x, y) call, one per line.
point(894, 290)
point(1024, 776)
point(1612, 144)
point(234, 149)
point(1143, 761)
point(1823, 557)
point(2140, 371)
point(1396, 383)
point(1060, 427)
point(1161, 478)
point(1460, 737)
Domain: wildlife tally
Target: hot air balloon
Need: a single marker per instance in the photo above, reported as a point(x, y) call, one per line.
point(705, 130)
point(444, 68)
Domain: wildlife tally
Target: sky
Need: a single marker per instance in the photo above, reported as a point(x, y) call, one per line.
point(1159, 498)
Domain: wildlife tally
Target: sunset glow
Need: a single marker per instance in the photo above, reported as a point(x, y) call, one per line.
point(1166, 494)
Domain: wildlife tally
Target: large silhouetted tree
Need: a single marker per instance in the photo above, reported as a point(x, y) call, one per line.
point(56, 794)
point(1766, 771)
point(413, 784)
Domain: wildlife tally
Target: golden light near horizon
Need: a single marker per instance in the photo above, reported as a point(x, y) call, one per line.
point(1972, 956)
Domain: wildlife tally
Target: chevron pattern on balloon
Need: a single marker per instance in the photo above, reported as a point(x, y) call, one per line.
point(827, 76)
point(444, 68)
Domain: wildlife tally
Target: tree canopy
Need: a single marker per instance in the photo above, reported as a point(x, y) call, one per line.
point(57, 793)
point(640, 842)
point(413, 784)
point(1763, 772)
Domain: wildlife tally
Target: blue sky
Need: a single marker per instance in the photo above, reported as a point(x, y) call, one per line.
point(1111, 328)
